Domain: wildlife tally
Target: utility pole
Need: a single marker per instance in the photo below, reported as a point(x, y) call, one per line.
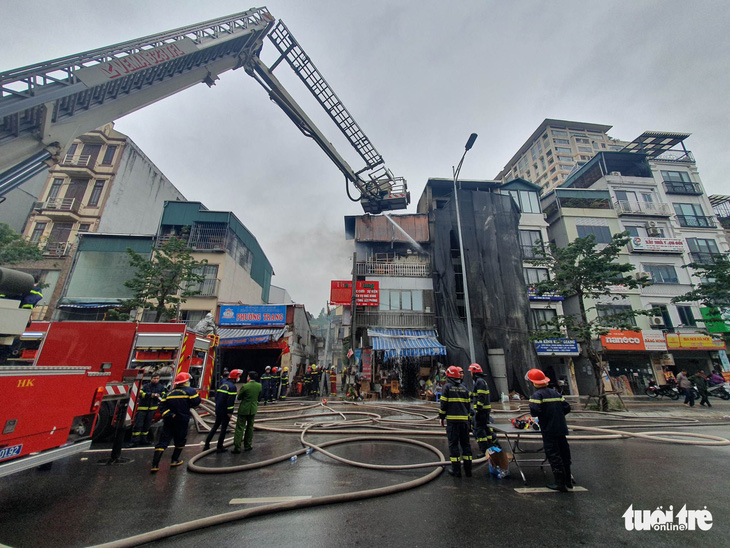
point(353, 304)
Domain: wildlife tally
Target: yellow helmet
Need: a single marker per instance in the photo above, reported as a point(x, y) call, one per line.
point(314, 367)
point(285, 369)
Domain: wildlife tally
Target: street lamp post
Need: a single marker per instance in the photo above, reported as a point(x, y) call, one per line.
point(469, 144)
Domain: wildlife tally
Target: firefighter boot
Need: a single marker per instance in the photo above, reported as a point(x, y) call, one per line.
point(559, 484)
point(467, 468)
point(156, 460)
point(455, 469)
point(568, 477)
point(176, 460)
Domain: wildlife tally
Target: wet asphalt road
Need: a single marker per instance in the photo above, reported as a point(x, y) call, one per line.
point(80, 502)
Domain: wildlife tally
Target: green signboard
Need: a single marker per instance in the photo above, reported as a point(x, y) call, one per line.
point(717, 320)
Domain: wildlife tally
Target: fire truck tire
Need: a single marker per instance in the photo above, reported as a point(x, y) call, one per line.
point(104, 422)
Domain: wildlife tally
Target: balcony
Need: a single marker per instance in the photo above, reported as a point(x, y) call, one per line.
point(57, 249)
point(688, 189)
point(83, 164)
point(396, 318)
point(642, 208)
point(680, 156)
point(59, 208)
point(413, 270)
point(696, 221)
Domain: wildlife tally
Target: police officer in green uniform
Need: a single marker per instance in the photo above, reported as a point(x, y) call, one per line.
point(249, 395)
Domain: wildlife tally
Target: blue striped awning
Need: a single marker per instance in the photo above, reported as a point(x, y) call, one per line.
point(396, 343)
point(245, 337)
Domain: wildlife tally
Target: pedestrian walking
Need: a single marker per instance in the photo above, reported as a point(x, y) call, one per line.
point(176, 416)
point(249, 396)
point(685, 386)
point(225, 398)
point(455, 414)
point(480, 399)
point(701, 380)
point(148, 400)
point(266, 385)
point(550, 409)
point(284, 383)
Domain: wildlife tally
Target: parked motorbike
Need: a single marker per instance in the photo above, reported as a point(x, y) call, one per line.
point(718, 391)
point(656, 391)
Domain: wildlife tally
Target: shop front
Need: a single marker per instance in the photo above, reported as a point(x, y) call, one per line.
point(556, 361)
point(694, 352)
point(632, 357)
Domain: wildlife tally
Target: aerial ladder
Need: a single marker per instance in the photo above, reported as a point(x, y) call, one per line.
point(44, 107)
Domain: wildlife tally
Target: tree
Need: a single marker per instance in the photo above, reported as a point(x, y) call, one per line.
point(713, 291)
point(585, 272)
point(14, 249)
point(165, 281)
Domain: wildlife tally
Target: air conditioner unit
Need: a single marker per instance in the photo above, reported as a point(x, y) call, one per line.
point(653, 231)
point(642, 276)
point(651, 224)
point(656, 321)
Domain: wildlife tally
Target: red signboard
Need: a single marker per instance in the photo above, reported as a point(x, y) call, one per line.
point(623, 340)
point(366, 293)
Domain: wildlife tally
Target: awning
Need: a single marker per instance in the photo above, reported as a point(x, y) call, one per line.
point(396, 343)
point(243, 337)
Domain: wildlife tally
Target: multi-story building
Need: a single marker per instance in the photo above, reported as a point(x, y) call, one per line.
point(721, 206)
point(104, 183)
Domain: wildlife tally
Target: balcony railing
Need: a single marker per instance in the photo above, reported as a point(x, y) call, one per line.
point(397, 318)
point(57, 249)
point(702, 257)
point(84, 160)
point(684, 156)
point(417, 270)
point(71, 205)
point(642, 208)
point(696, 221)
point(675, 187)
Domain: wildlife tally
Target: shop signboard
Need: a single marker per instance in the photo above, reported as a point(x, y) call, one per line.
point(366, 293)
point(625, 341)
point(717, 320)
point(657, 245)
point(693, 341)
point(367, 371)
point(654, 341)
point(244, 314)
point(547, 296)
point(722, 354)
point(557, 347)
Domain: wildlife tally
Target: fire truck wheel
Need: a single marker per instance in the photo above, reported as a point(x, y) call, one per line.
point(104, 422)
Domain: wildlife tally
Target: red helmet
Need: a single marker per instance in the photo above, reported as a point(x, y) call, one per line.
point(475, 368)
point(275, 370)
point(182, 378)
point(537, 377)
point(461, 372)
point(453, 372)
point(235, 374)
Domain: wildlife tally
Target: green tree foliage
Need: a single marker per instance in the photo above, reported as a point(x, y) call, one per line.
point(14, 249)
point(163, 283)
point(586, 271)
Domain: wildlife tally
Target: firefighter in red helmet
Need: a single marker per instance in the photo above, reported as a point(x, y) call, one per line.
point(456, 412)
point(550, 408)
point(175, 410)
point(482, 406)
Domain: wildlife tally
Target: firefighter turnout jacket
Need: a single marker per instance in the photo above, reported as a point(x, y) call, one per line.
point(455, 402)
point(550, 408)
point(179, 401)
point(225, 398)
point(150, 396)
point(480, 396)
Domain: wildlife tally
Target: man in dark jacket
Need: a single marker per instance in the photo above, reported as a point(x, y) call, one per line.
point(225, 397)
point(266, 385)
point(482, 406)
point(175, 419)
point(249, 396)
point(700, 380)
point(456, 411)
point(148, 400)
point(550, 409)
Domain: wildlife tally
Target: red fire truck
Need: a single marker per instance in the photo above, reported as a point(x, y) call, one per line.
point(84, 370)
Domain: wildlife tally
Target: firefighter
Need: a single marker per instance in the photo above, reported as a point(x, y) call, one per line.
point(175, 409)
point(266, 385)
point(225, 397)
point(455, 414)
point(275, 380)
point(550, 409)
point(482, 406)
point(333, 381)
point(284, 382)
point(307, 383)
point(249, 396)
point(148, 400)
point(316, 377)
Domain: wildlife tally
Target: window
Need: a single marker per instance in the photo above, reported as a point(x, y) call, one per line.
point(55, 189)
point(529, 244)
point(558, 133)
point(84, 227)
point(584, 157)
point(549, 153)
point(661, 273)
point(545, 136)
point(615, 312)
point(401, 299)
point(561, 141)
point(565, 158)
point(552, 170)
point(72, 150)
point(585, 149)
point(534, 275)
point(586, 141)
point(38, 230)
point(686, 317)
point(633, 231)
point(527, 201)
point(96, 193)
point(207, 287)
point(563, 150)
point(602, 233)
point(676, 176)
point(542, 163)
point(691, 215)
point(550, 160)
point(539, 316)
point(566, 167)
point(109, 155)
point(702, 250)
point(577, 135)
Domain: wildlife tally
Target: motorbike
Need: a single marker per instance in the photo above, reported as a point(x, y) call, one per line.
point(718, 391)
point(656, 391)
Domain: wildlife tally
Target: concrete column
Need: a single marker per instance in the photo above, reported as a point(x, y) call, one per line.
point(498, 367)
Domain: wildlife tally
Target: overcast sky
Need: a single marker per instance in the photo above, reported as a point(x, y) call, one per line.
point(418, 76)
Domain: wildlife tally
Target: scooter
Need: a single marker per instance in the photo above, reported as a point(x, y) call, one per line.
point(718, 391)
point(654, 391)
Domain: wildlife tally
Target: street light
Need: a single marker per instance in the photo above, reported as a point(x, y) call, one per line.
point(469, 144)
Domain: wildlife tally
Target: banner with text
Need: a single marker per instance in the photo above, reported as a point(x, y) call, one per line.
point(244, 314)
point(366, 293)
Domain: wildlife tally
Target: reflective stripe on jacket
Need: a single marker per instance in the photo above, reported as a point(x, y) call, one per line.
point(550, 408)
point(225, 398)
point(455, 402)
point(179, 402)
point(480, 397)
